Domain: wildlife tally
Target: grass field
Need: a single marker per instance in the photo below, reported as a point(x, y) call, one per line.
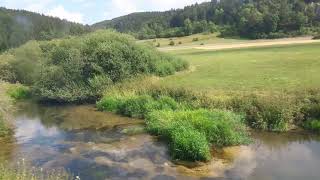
point(289, 67)
point(189, 40)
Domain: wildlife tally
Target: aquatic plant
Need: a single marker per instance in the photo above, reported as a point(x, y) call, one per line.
point(21, 171)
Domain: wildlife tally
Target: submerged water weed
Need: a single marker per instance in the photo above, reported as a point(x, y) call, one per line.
point(21, 171)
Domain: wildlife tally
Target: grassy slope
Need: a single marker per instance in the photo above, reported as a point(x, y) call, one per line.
point(265, 68)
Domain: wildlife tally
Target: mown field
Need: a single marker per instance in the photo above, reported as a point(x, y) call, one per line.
point(290, 67)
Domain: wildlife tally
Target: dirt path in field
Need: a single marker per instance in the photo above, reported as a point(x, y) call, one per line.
point(250, 43)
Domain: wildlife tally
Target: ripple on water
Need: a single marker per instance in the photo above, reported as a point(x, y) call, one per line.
point(97, 145)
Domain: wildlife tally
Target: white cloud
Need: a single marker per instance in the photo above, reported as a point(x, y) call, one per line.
point(60, 12)
point(117, 8)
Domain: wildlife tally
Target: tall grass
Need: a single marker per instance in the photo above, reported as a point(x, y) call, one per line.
point(5, 110)
point(270, 111)
point(190, 132)
point(18, 92)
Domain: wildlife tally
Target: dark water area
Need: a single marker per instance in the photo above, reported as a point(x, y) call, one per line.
point(97, 145)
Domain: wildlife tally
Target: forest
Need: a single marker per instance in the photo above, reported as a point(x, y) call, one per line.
point(254, 19)
point(20, 26)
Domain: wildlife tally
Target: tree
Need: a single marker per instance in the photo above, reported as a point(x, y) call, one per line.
point(188, 29)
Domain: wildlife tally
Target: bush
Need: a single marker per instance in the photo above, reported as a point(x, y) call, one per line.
point(180, 42)
point(158, 45)
point(172, 43)
point(316, 37)
point(195, 39)
point(110, 103)
point(266, 113)
point(78, 69)
point(6, 68)
point(313, 125)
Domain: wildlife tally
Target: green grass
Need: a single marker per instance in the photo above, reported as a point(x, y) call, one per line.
point(19, 92)
point(268, 68)
point(189, 131)
point(313, 125)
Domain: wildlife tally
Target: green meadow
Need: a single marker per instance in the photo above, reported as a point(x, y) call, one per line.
point(290, 67)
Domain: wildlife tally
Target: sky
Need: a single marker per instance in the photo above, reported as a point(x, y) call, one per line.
point(92, 11)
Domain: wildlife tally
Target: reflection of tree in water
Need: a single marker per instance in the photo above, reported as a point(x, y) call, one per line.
point(276, 141)
point(71, 117)
point(50, 116)
point(8, 149)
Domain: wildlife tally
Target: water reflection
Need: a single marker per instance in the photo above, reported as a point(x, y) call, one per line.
point(96, 145)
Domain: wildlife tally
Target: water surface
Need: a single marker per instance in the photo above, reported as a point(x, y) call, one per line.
point(97, 145)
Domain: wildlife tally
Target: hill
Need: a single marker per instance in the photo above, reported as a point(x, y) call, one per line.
point(19, 26)
point(247, 18)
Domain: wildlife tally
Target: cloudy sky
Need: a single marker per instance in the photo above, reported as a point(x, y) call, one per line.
point(91, 11)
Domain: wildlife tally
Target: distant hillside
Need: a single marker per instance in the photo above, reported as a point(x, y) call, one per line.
point(247, 18)
point(19, 26)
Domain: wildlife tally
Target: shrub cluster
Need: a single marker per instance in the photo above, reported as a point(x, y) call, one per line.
point(78, 69)
point(190, 132)
point(316, 37)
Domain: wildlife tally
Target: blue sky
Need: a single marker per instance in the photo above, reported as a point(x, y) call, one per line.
point(91, 11)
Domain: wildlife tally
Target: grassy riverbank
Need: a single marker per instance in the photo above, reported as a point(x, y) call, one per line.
point(5, 110)
point(189, 131)
point(274, 106)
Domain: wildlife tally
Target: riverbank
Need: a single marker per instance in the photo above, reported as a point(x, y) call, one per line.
point(5, 110)
point(96, 145)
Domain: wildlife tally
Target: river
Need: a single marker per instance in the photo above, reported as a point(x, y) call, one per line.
point(97, 145)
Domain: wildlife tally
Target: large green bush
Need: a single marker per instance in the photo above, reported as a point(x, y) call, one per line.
point(78, 69)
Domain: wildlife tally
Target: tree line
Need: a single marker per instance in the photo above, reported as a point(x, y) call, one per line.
point(19, 26)
point(247, 18)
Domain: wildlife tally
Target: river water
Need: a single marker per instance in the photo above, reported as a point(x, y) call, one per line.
point(97, 145)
